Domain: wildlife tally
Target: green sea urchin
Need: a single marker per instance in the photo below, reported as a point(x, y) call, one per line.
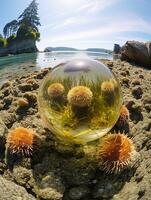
point(115, 152)
point(80, 96)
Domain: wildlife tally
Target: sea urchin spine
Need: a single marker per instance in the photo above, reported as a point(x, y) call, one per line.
point(80, 96)
point(21, 141)
point(115, 152)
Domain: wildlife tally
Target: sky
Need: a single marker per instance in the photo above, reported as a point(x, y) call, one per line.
point(85, 23)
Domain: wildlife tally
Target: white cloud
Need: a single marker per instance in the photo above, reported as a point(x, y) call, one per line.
point(108, 34)
point(124, 25)
point(96, 5)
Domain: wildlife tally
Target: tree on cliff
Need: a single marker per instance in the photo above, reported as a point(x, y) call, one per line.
point(29, 18)
point(10, 28)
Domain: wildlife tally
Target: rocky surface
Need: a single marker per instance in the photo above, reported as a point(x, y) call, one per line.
point(58, 172)
point(20, 46)
point(117, 49)
point(137, 52)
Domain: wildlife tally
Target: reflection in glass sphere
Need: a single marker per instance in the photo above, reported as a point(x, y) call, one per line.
point(79, 101)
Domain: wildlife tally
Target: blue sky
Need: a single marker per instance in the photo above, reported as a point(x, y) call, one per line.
point(85, 23)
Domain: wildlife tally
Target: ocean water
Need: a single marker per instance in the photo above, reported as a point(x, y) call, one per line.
point(11, 66)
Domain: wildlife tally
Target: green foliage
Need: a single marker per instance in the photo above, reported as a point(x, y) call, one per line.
point(10, 28)
point(27, 33)
point(25, 28)
point(2, 41)
point(11, 39)
point(30, 16)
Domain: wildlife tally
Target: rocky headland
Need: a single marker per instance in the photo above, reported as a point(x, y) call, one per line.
point(57, 172)
point(19, 46)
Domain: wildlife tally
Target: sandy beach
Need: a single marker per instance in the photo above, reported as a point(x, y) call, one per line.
point(57, 172)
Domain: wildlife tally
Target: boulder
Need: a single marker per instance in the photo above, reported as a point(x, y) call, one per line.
point(11, 191)
point(137, 52)
point(117, 49)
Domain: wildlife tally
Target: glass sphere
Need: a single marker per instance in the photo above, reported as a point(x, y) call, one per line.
point(80, 100)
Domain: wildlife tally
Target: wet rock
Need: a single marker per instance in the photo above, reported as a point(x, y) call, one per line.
point(11, 191)
point(50, 194)
point(125, 81)
point(31, 97)
point(6, 84)
point(21, 175)
point(22, 102)
point(137, 92)
point(25, 87)
point(8, 100)
point(107, 187)
point(78, 171)
point(129, 191)
point(80, 192)
point(8, 118)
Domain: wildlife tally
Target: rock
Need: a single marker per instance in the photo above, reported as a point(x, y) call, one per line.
point(11, 191)
point(25, 87)
point(116, 49)
point(3, 131)
point(8, 118)
point(137, 52)
point(129, 191)
point(21, 175)
point(135, 82)
point(107, 187)
point(125, 81)
point(80, 192)
point(22, 102)
point(147, 99)
point(8, 100)
point(137, 92)
point(6, 84)
point(78, 171)
point(31, 97)
point(50, 194)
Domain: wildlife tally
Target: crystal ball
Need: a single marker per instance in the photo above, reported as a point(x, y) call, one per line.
point(79, 101)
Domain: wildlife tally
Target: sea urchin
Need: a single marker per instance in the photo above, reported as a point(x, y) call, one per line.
point(115, 152)
point(21, 141)
point(107, 90)
point(124, 115)
point(55, 90)
point(80, 96)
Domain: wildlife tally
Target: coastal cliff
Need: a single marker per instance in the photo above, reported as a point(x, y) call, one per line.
point(16, 47)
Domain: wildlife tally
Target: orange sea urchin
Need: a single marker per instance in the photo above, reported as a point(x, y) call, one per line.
point(115, 152)
point(80, 96)
point(124, 115)
point(21, 141)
